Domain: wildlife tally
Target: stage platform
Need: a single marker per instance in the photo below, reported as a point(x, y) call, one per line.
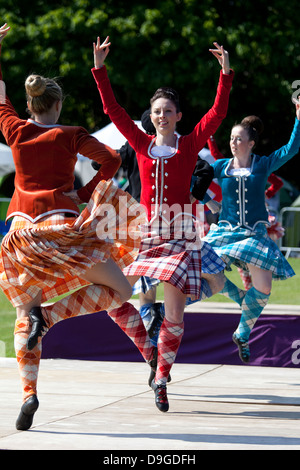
point(108, 407)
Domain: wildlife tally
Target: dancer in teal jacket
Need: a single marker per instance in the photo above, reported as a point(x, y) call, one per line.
point(241, 235)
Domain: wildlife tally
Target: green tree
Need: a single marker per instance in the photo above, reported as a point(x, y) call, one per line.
point(156, 44)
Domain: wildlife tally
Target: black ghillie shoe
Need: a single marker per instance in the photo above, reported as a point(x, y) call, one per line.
point(157, 316)
point(38, 323)
point(244, 351)
point(25, 417)
point(161, 399)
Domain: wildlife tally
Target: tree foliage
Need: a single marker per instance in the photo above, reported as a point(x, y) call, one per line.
point(161, 44)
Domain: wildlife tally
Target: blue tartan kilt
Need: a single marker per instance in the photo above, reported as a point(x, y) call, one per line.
point(242, 246)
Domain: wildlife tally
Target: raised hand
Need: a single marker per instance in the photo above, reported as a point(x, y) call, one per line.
point(297, 104)
point(222, 56)
point(100, 52)
point(3, 31)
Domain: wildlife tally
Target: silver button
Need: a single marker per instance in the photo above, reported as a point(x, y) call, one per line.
point(165, 186)
point(153, 187)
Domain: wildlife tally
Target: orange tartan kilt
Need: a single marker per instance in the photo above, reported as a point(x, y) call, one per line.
point(53, 254)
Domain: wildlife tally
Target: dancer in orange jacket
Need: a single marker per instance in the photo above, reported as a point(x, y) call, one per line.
point(50, 249)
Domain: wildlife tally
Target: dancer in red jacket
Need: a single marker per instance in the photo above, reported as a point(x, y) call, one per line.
point(170, 249)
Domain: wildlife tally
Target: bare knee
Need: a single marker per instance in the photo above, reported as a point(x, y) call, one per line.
point(125, 291)
point(263, 288)
point(261, 279)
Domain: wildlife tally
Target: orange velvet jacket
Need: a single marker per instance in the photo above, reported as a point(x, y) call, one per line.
point(45, 158)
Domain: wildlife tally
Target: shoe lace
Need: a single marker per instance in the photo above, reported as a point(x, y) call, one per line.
point(162, 394)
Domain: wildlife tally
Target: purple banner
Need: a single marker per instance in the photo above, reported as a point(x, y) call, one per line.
point(275, 340)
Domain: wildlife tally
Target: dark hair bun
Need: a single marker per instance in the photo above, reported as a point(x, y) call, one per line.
point(254, 122)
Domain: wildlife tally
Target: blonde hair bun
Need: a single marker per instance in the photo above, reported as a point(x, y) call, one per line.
point(35, 85)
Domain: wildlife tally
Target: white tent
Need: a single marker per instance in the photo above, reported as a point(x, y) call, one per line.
point(6, 160)
point(108, 135)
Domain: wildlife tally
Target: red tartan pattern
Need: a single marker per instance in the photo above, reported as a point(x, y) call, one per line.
point(177, 261)
point(89, 299)
point(128, 318)
point(169, 340)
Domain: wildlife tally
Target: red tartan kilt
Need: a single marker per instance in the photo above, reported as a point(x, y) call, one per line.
point(177, 261)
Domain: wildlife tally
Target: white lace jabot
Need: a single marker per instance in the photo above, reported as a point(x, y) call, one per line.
point(162, 151)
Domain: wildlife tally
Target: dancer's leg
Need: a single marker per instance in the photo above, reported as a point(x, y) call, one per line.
point(28, 365)
point(253, 304)
point(171, 332)
point(28, 361)
point(109, 289)
point(128, 318)
point(89, 299)
point(169, 340)
point(233, 292)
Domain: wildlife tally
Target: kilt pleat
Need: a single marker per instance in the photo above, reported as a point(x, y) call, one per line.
point(53, 254)
point(242, 246)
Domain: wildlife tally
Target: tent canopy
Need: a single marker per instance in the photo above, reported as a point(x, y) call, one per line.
point(6, 160)
point(111, 136)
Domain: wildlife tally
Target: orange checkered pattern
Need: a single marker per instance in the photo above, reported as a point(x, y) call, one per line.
point(52, 254)
point(28, 361)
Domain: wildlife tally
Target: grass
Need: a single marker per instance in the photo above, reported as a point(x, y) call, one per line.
point(283, 292)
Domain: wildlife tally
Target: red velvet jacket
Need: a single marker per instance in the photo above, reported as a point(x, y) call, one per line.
point(165, 181)
point(45, 158)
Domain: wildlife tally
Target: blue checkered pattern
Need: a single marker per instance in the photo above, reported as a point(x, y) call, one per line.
point(241, 247)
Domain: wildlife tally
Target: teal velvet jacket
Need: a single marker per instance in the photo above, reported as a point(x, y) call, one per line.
point(243, 197)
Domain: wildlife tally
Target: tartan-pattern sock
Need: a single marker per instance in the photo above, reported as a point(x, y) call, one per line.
point(252, 306)
point(28, 361)
point(246, 278)
point(169, 340)
point(89, 299)
point(233, 292)
point(127, 317)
